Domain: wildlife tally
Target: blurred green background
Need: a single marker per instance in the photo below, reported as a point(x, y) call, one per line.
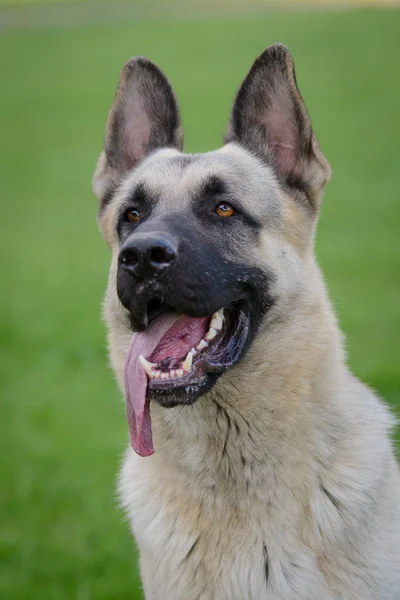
point(62, 422)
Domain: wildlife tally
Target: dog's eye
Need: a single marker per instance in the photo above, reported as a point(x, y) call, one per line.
point(133, 216)
point(225, 210)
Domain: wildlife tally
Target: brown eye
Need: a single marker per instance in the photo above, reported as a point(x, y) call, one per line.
point(225, 210)
point(133, 216)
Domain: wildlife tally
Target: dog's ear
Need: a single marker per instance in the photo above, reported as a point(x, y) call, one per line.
point(143, 117)
point(270, 119)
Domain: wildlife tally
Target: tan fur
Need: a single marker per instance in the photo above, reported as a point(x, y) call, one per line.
point(281, 482)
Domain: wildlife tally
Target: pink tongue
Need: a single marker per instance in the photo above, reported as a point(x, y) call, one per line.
point(170, 336)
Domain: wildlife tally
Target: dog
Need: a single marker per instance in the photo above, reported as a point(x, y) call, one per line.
point(269, 470)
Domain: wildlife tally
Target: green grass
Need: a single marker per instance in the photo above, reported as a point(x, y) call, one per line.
point(62, 423)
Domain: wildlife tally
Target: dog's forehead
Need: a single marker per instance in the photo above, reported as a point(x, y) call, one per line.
point(174, 175)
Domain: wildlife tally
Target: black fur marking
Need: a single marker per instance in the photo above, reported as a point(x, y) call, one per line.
point(334, 501)
point(224, 412)
point(214, 185)
point(296, 183)
point(203, 278)
point(192, 548)
point(142, 199)
point(139, 195)
point(266, 564)
point(106, 199)
point(213, 191)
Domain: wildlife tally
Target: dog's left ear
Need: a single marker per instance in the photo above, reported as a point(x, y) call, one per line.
point(270, 119)
point(143, 117)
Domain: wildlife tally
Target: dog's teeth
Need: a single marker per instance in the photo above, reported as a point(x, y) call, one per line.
point(157, 374)
point(164, 375)
point(180, 373)
point(187, 364)
point(194, 352)
point(147, 366)
point(201, 345)
point(211, 333)
point(217, 320)
point(172, 374)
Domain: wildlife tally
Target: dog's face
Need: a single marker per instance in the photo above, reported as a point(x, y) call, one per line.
point(205, 245)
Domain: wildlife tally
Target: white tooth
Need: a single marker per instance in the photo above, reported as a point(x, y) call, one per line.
point(194, 352)
point(164, 375)
point(147, 366)
point(211, 333)
point(201, 345)
point(187, 364)
point(180, 372)
point(157, 374)
point(217, 320)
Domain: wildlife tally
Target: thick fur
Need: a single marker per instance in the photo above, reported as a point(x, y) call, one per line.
point(280, 483)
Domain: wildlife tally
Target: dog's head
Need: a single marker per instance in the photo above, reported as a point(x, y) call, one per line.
point(204, 245)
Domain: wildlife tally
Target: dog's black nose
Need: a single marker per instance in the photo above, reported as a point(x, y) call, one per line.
point(146, 255)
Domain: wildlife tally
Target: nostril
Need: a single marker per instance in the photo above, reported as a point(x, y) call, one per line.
point(161, 255)
point(130, 257)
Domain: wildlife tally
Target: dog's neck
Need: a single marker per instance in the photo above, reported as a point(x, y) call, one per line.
point(266, 417)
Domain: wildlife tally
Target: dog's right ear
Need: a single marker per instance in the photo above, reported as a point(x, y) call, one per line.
point(143, 117)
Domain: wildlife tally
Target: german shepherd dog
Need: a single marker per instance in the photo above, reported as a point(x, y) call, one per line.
point(270, 473)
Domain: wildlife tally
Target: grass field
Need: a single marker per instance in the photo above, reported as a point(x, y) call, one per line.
point(62, 424)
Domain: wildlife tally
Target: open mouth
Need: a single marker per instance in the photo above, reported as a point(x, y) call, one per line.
point(178, 358)
point(194, 347)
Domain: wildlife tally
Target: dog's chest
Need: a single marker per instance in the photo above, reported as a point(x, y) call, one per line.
point(208, 549)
